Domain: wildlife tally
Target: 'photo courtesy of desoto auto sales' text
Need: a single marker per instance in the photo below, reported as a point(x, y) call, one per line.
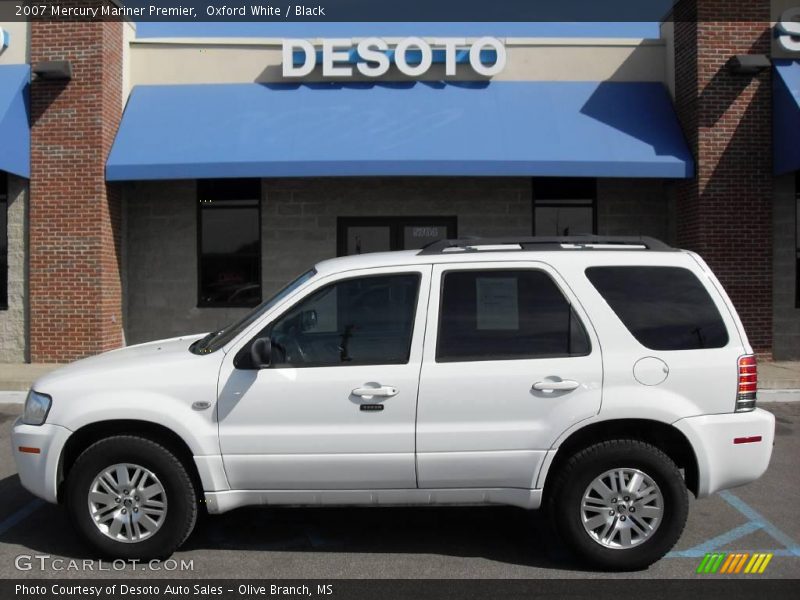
point(351, 299)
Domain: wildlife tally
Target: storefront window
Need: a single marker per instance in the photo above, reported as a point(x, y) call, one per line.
point(359, 235)
point(797, 241)
point(3, 240)
point(229, 244)
point(564, 206)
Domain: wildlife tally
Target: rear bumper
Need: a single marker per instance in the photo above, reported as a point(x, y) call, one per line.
point(38, 473)
point(721, 463)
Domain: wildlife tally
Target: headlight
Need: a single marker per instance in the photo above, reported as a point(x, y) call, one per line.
point(36, 408)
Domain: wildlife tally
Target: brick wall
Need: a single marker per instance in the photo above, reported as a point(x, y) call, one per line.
point(725, 212)
point(75, 289)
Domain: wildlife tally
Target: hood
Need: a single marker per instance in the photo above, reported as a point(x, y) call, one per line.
point(141, 360)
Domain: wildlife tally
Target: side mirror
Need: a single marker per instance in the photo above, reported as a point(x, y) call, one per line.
point(308, 320)
point(261, 353)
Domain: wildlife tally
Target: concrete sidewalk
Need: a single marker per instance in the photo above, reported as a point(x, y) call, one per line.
point(774, 378)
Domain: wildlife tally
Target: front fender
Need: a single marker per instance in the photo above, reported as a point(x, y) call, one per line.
point(198, 429)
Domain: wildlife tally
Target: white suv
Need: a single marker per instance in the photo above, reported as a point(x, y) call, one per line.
point(601, 378)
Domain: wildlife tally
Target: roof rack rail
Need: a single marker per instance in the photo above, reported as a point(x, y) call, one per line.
point(573, 242)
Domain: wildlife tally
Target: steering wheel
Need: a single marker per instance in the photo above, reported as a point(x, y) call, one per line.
point(293, 349)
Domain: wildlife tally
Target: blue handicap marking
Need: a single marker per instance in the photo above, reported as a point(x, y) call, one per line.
point(755, 522)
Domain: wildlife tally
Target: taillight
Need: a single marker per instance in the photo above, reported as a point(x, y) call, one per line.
point(748, 384)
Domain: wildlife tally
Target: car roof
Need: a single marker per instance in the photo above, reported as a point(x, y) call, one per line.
point(416, 257)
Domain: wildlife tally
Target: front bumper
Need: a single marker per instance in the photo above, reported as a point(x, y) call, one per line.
point(39, 472)
point(721, 463)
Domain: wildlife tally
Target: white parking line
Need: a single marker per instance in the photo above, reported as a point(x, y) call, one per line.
point(22, 514)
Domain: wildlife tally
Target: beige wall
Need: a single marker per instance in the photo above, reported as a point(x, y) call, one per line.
point(667, 30)
point(17, 51)
point(128, 36)
point(177, 61)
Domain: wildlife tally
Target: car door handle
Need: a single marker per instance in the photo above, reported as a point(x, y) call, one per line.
point(555, 385)
point(384, 391)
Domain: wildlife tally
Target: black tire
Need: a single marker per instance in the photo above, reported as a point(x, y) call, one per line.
point(583, 467)
point(181, 511)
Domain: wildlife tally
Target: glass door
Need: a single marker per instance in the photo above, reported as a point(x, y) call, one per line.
point(359, 235)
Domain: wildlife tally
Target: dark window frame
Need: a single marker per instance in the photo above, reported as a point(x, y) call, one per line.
point(551, 192)
point(395, 225)
point(580, 321)
point(221, 191)
point(242, 360)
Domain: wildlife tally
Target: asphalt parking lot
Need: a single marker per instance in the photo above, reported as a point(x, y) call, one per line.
point(324, 543)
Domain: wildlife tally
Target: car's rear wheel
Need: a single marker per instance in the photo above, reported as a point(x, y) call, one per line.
point(620, 504)
point(131, 498)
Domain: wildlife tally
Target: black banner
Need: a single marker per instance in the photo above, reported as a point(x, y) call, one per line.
point(380, 10)
point(390, 589)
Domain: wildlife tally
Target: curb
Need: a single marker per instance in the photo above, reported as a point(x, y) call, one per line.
point(12, 397)
point(768, 396)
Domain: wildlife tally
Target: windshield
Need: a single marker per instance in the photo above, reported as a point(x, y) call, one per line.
point(217, 339)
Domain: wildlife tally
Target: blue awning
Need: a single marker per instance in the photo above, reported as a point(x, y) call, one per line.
point(567, 129)
point(15, 133)
point(786, 116)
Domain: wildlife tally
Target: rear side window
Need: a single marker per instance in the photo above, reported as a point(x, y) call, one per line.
point(664, 308)
point(506, 314)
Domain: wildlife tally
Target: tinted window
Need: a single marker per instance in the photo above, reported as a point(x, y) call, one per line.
point(353, 322)
point(665, 308)
point(564, 206)
point(497, 315)
point(230, 242)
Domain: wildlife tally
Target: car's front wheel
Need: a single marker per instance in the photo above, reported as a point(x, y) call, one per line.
point(620, 504)
point(131, 498)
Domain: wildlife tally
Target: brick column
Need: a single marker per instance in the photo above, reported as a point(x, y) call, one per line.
point(75, 271)
point(724, 214)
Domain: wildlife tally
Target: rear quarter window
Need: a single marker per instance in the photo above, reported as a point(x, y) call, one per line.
point(664, 308)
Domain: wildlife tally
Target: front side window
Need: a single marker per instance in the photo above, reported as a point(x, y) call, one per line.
point(3, 241)
point(362, 321)
point(506, 314)
point(229, 229)
point(664, 308)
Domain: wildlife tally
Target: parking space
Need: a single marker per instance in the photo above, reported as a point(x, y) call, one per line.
point(420, 542)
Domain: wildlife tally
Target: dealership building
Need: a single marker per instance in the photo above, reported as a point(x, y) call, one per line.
point(152, 187)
